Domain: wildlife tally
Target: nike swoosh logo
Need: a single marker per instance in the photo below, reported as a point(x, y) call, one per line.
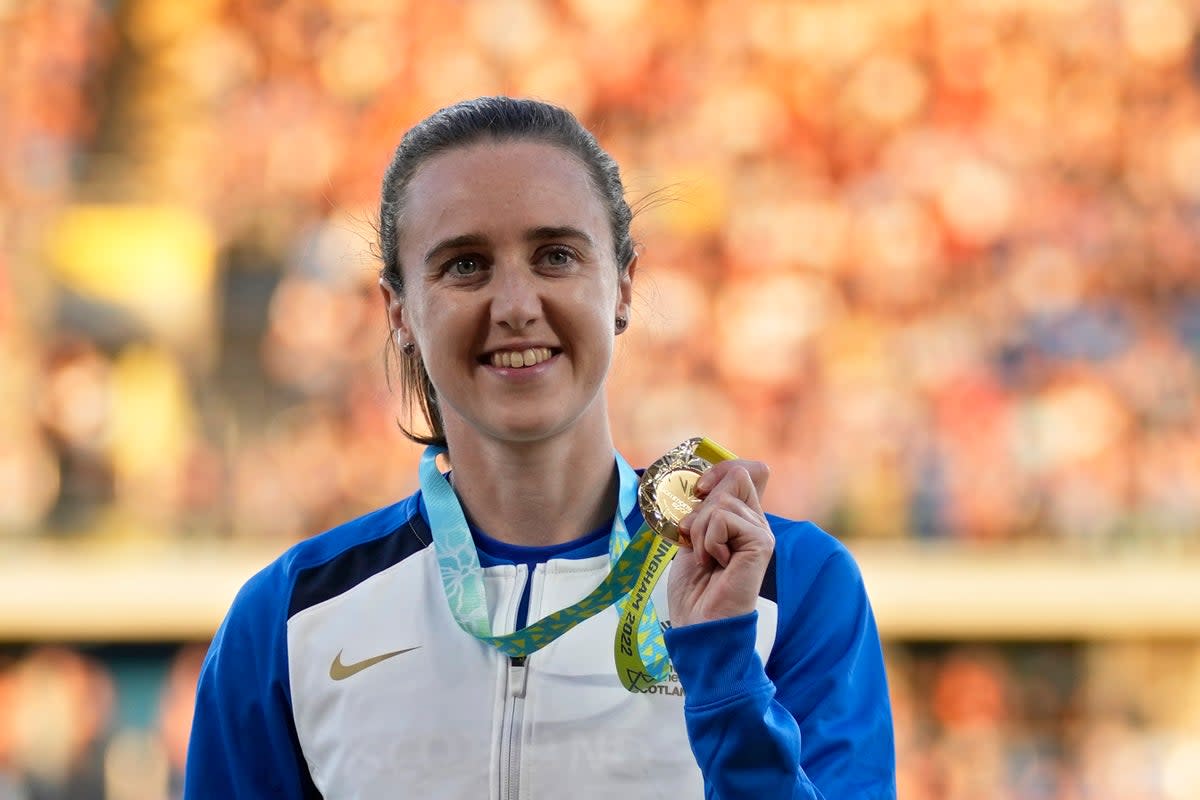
point(339, 671)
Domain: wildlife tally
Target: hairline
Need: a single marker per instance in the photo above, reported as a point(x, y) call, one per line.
point(488, 136)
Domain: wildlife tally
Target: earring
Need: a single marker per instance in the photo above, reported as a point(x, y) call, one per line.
point(408, 348)
point(622, 324)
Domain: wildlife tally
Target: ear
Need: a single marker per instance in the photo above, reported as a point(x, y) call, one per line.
point(393, 305)
point(625, 289)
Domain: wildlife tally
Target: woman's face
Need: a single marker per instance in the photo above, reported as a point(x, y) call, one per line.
point(511, 288)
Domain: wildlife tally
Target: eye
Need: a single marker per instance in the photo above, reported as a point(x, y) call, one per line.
point(558, 257)
point(462, 266)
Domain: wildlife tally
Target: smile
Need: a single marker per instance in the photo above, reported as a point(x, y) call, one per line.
point(520, 358)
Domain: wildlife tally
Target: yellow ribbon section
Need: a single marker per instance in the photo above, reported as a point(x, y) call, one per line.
point(712, 452)
point(631, 663)
point(632, 669)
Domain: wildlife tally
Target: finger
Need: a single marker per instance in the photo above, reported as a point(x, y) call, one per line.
point(757, 472)
point(705, 541)
point(744, 536)
point(716, 538)
point(693, 537)
point(726, 498)
point(708, 540)
point(725, 495)
point(685, 531)
point(734, 480)
point(717, 533)
point(736, 493)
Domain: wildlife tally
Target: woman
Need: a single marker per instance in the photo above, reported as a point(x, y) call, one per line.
point(349, 667)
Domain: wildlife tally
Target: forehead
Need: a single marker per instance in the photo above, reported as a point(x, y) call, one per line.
point(497, 188)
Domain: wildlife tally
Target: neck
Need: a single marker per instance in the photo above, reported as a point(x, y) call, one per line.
point(539, 493)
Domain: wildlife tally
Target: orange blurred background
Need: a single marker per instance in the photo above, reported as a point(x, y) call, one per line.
point(935, 262)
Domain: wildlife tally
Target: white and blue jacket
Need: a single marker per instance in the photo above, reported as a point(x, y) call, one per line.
point(339, 673)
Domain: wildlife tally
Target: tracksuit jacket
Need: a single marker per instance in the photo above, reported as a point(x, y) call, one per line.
point(339, 672)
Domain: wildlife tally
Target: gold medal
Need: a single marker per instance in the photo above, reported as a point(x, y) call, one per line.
point(667, 491)
point(666, 494)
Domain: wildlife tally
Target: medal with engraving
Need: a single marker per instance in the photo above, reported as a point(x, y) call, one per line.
point(666, 494)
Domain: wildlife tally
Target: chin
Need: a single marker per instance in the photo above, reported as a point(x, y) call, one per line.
point(528, 422)
point(527, 427)
point(525, 433)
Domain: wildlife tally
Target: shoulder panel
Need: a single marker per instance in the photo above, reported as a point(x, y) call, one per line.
point(352, 565)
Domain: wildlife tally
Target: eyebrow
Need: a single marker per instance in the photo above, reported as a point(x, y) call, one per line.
point(453, 243)
point(558, 232)
point(539, 234)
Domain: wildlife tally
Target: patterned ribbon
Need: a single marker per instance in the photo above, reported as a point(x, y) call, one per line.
point(637, 563)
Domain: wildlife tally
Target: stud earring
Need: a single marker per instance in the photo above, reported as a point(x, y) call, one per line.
point(622, 324)
point(408, 348)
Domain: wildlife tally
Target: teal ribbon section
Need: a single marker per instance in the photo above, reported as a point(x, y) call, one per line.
point(462, 577)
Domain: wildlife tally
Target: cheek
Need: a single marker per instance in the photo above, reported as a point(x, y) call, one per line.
point(600, 305)
point(590, 319)
point(440, 322)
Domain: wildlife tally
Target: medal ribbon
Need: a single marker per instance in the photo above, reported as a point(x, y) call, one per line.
point(640, 666)
point(637, 564)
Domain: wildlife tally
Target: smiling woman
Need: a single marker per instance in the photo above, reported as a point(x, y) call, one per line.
point(460, 643)
point(506, 249)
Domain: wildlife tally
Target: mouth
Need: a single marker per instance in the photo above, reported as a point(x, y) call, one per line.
point(518, 359)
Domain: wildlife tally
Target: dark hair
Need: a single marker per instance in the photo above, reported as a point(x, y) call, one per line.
point(465, 123)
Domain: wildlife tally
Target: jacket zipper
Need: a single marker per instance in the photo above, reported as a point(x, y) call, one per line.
point(514, 712)
point(511, 724)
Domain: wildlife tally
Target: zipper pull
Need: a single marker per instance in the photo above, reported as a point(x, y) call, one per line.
point(516, 676)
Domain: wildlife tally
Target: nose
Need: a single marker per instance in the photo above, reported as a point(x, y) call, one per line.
point(516, 302)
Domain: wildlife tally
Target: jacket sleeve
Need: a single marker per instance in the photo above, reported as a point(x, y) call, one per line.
point(815, 723)
point(243, 743)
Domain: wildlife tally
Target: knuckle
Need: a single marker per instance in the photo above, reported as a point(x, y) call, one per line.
point(725, 499)
point(725, 502)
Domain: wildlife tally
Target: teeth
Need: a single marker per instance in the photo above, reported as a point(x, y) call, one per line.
point(520, 358)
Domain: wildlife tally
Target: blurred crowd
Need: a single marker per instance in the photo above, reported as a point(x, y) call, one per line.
point(939, 255)
point(933, 260)
point(1047, 722)
point(973, 722)
point(108, 724)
